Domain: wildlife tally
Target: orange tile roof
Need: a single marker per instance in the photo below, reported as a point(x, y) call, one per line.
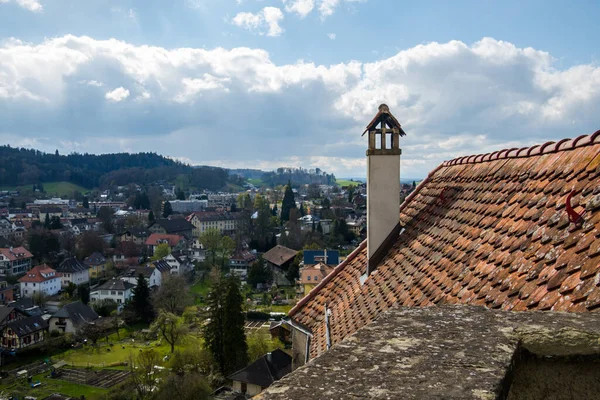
point(157, 238)
point(488, 230)
point(16, 253)
point(314, 274)
point(35, 274)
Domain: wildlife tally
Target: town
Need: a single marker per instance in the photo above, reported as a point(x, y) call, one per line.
point(93, 277)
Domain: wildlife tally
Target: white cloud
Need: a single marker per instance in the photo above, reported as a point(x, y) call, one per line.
point(327, 7)
point(117, 95)
point(300, 7)
point(265, 22)
point(331, 36)
point(452, 99)
point(30, 5)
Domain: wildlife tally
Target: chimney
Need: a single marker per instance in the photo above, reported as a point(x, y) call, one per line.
point(383, 185)
point(269, 357)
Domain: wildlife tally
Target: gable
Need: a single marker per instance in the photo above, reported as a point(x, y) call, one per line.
point(487, 230)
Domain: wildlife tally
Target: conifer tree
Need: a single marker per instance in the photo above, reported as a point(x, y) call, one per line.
point(288, 202)
point(140, 301)
point(167, 210)
point(224, 333)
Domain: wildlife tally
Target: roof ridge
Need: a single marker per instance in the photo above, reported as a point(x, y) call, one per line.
point(535, 150)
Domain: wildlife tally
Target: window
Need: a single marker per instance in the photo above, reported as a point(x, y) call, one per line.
point(316, 278)
point(308, 278)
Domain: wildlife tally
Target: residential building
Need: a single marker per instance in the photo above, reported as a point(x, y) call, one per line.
point(327, 257)
point(9, 314)
point(15, 260)
point(135, 235)
point(73, 271)
point(310, 277)
point(97, 265)
point(241, 261)
point(22, 333)
point(179, 263)
point(174, 226)
point(196, 251)
point(72, 318)
point(224, 222)
point(188, 206)
point(40, 279)
point(164, 268)
point(155, 239)
point(152, 275)
point(115, 289)
point(280, 257)
point(261, 374)
point(49, 211)
point(7, 292)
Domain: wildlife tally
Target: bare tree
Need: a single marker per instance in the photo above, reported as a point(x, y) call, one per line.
point(143, 374)
point(171, 327)
point(172, 296)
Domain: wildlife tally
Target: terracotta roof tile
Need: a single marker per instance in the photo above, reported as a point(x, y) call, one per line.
point(491, 230)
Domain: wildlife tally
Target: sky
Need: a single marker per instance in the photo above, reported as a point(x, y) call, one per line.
point(274, 83)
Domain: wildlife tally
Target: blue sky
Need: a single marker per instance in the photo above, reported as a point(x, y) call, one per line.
point(268, 83)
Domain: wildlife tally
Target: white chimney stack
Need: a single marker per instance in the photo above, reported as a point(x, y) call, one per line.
point(383, 184)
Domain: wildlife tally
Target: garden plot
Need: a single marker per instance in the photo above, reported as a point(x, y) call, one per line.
point(104, 378)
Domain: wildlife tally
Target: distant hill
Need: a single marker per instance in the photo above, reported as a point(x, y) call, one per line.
point(20, 167)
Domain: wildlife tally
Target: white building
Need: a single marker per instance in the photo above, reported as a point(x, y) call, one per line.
point(179, 263)
point(40, 279)
point(115, 289)
point(73, 271)
point(152, 275)
point(188, 206)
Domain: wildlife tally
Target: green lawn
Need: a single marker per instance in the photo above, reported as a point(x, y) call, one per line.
point(345, 182)
point(255, 181)
point(54, 189)
point(49, 386)
point(200, 289)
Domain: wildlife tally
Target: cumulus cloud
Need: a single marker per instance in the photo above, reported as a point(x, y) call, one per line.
point(331, 36)
point(328, 7)
point(30, 5)
point(236, 107)
point(117, 95)
point(300, 7)
point(265, 22)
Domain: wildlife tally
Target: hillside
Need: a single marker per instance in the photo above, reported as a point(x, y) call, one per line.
point(23, 167)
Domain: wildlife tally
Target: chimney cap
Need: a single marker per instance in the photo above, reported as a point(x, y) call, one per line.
point(384, 108)
point(384, 116)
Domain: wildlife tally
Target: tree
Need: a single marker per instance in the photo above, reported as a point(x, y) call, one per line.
point(260, 344)
point(90, 242)
point(39, 299)
point(140, 302)
point(70, 289)
point(326, 203)
point(43, 244)
point(143, 373)
point(12, 203)
point(179, 194)
point(170, 327)
point(55, 223)
point(96, 330)
point(172, 296)
point(83, 292)
point(350, 194)
point(188, 386)
point(105, 214)
point(105, 307)
point(288, 202)
point(259, 273)
point(151, 216)
point(224, 332)
point(218, 247)
point(47, 221)
point(86, 203)
point(161, 251)
point(167, 210)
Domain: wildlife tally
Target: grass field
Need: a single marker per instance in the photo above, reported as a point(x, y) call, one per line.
point(55, 189)
point(345, 182)
point(49, 386)
point(256, 181)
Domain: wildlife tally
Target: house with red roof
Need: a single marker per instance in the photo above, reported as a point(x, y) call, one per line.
point(156, 239)
point(487, 247)
point(40, 279)
point(14, 260)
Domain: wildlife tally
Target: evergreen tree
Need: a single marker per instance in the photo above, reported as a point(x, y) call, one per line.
point(180, 194)
point(350, 194)
point(151, 216)
point(47, 221)
point(86, 203)
point(140, 302)
point(224, 332)
point(287, 203)
point(83, 292)
point(167, 210)
point(320, 228)
point(326, 203)
point(11, 203)
point(275, 210)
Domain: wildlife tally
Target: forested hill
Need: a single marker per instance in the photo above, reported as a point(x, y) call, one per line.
point(25, 166)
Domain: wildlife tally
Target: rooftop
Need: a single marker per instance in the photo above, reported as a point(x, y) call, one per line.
point(40, 273)
point(71, 265)
point(266, 370)
point(114, 284)
point(158, 238)
point(15, 253)
point(279, 255)
point(449, 352)
point(506, 230)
